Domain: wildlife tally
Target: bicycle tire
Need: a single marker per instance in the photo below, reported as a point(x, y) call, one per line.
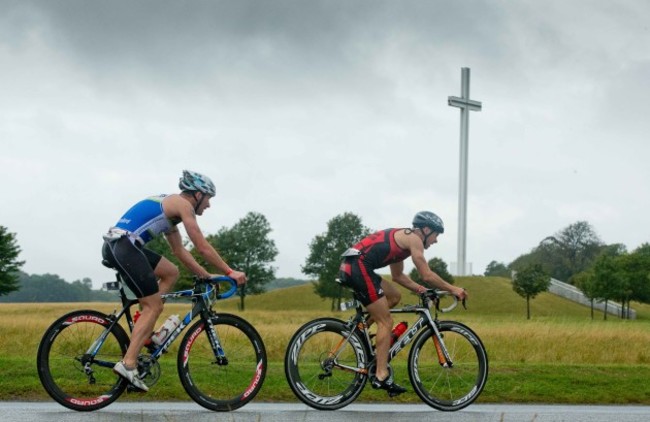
point(448, 389)
point(306, 358)
point(59, 361)
point(226, 386)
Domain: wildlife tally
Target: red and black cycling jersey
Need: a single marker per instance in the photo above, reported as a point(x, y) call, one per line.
point(380, 249)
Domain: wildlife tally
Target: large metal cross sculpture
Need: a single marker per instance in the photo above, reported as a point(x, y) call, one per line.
point(466, 105)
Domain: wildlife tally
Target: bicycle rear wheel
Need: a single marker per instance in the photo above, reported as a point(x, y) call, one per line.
point(69, 374)
point(222, 384)
point(448, 389)
point(313, 364)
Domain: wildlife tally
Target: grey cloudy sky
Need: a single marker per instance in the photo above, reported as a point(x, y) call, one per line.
point(303, 110)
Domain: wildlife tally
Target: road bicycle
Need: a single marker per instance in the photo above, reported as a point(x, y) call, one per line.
point(328, 361)
point(221, 359)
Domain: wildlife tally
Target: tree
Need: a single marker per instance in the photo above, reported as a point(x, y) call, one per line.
point(529, 282)
point(568, 252)
point(52, 288)
point(594, 285)
point(580, 245)
point(497, 269)
point(324, 258)
point(634, 268)
point(609, 279)
point(547, 254)
point(436, 265)
point(644, 249)
point(586, 282)
point(640, 272)
point(622, 276)
point(9, 264)
point(247, 247)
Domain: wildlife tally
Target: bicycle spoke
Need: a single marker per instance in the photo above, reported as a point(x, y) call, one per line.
point(320, 365)
point(454, 387)
point(73, 378)
point(222, 384)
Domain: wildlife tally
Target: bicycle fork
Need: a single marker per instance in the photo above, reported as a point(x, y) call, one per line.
point(219, 354)
point(444, 359)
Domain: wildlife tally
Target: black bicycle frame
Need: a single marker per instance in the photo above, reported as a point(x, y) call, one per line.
point(406, 338)
point(201, 307)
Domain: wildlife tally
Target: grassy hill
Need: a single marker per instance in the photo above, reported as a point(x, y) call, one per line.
point(489, 297)
point(283, 283)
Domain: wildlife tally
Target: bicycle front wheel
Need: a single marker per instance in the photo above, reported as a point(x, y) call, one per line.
point(448, 388)
point(228, 382)
point(72, 376)
point(325, 366)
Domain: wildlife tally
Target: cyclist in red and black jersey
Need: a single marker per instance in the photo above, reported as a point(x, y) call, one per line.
point(391, 247)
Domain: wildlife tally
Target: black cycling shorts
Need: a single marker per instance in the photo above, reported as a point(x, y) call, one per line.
point(135, 263)
point(354, 273)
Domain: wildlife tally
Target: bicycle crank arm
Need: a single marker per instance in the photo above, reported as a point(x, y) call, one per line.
point(346, 368)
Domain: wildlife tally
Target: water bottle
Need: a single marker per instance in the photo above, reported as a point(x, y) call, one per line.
point(165, 330)
point(349, 305)
point(398, 331)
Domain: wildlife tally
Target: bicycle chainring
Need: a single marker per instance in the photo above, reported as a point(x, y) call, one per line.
point(372, 370)
point(150, 367)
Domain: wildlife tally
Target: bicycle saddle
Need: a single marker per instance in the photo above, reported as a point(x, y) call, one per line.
point(107, 264)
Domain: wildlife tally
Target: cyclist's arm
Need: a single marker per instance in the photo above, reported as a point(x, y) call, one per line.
point(397, 273)
point(176, 244)
point(187, 215)
point(428, 276)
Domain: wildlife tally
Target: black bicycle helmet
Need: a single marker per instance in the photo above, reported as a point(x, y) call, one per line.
point(429, 219)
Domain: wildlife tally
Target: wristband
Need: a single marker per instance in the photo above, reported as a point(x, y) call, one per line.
point(230, 270)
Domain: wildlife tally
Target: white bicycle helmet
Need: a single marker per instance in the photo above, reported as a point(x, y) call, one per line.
point(193, 181)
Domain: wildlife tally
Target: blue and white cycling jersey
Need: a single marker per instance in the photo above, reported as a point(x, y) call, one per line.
point(145, 220)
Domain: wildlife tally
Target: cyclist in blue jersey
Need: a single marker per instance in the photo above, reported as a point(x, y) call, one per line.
point(147, 273)
point(391, 247)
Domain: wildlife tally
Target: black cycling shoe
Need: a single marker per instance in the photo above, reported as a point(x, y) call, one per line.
point(388, 385)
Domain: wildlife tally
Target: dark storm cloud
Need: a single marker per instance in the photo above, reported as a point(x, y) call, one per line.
point(287, 41)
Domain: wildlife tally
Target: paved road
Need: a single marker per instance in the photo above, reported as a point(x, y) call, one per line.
point(287, 412)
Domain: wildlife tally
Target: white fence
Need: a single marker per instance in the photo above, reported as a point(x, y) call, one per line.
point(573, 293)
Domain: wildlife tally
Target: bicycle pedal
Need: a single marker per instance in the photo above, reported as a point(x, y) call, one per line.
point(133, 389)
point(394, 393)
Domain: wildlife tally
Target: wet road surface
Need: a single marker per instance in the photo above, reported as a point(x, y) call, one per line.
point(287, 412)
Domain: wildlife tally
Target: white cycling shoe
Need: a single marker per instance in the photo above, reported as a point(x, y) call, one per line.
point(131, 375)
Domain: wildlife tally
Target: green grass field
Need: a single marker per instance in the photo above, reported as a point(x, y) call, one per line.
point(560, 355)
